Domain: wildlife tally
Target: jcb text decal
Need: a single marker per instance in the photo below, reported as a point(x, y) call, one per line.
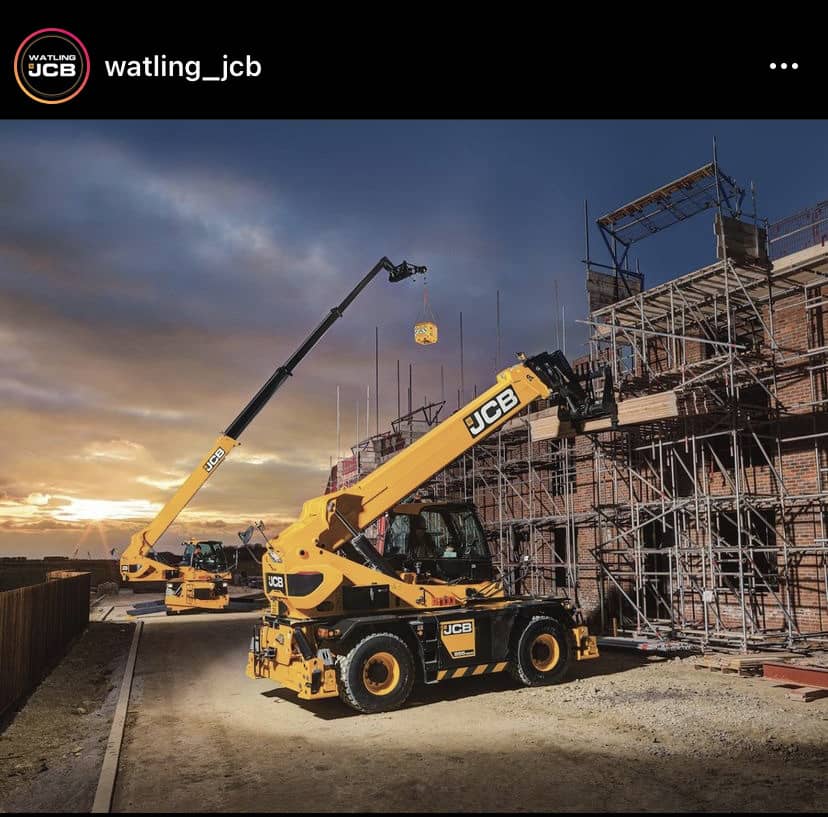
point(458, 638)
point(491, 411)
point(276, 582)
point(214, 459)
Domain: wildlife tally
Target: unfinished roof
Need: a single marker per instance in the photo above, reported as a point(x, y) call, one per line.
point(671, 203)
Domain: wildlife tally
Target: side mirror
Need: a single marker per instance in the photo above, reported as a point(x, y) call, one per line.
point(245, 536)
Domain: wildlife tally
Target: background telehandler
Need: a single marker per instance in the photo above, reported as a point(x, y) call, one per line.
point(203, 584)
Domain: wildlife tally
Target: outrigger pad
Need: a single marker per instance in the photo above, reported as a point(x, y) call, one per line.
point(147, 609)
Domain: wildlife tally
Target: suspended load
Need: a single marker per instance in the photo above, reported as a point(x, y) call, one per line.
point(425, 330)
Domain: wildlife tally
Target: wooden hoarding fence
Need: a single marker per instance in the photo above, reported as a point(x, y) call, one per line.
point(37, 624)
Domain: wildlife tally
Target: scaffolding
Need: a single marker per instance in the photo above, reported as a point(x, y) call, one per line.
point(708, 528)
point(369, 453)
point(700, 521)
point(522, 490)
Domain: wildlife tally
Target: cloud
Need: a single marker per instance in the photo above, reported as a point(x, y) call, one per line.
point(117, 450)
point(40, 525)
point(285, 459)
point(251, 458)
point(18, 390)
point(144, 412)
point(37, 499)
point(150, 294)
point(163, 483)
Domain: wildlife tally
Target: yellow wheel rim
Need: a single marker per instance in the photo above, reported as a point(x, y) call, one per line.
point(381, 673)
point(545, 652)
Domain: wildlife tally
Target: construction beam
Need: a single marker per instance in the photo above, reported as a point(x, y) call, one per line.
point(797, 674)
point(634, 411)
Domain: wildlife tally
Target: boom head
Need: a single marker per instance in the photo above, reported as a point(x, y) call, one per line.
point(577, 399)
point(400, 272)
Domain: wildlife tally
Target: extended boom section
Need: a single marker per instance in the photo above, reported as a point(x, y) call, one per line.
point(200, 581)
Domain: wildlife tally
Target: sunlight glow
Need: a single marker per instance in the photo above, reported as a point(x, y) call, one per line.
point(93, 510)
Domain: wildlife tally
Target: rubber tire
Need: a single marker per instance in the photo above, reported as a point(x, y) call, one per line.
point(521, 668)
point(352, 689)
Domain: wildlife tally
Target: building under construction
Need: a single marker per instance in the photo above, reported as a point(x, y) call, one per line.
point(707, 525)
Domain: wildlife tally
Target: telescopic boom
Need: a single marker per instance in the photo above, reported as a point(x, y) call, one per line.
point(136, 562)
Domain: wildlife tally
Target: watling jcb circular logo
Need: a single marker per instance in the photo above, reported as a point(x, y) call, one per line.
point(51, 66)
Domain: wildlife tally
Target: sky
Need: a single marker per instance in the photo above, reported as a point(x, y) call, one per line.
point(154, 273)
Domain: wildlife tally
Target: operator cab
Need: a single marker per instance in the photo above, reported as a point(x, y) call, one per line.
point(212, 557)
point(445, 540)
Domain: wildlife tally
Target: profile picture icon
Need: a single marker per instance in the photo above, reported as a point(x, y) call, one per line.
point(51, 66)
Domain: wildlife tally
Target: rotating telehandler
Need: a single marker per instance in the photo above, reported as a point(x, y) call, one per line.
point(201, 582)
point(365, 622)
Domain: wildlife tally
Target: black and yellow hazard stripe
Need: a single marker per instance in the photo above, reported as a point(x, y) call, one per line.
point(480, 669)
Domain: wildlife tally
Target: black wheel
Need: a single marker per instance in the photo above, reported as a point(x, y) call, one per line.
point(543, 653)
point(377, 674)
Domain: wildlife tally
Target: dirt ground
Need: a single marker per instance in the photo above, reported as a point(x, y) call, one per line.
point(625, 733)
point(51, 752)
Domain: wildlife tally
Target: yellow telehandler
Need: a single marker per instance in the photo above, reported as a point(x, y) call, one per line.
point(200, 581)
point(365, 622)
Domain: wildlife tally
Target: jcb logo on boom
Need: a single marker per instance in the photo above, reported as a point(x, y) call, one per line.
point(491, 411)
point(458, 627)
point(214, 459)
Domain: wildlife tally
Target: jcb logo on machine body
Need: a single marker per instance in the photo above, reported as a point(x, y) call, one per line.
point(458, 627)
point(491, 411)
point(458, 638)
point(214, 459)
point(276, 582)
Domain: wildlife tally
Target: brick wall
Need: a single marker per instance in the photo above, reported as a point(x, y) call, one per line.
point(605, 485)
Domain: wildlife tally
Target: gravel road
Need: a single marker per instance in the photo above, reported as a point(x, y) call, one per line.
point(625, 733)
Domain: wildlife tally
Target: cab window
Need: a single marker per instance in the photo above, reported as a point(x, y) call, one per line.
point(436, 534)
point(439, 541)
point(396, 537)
point(475, 543)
